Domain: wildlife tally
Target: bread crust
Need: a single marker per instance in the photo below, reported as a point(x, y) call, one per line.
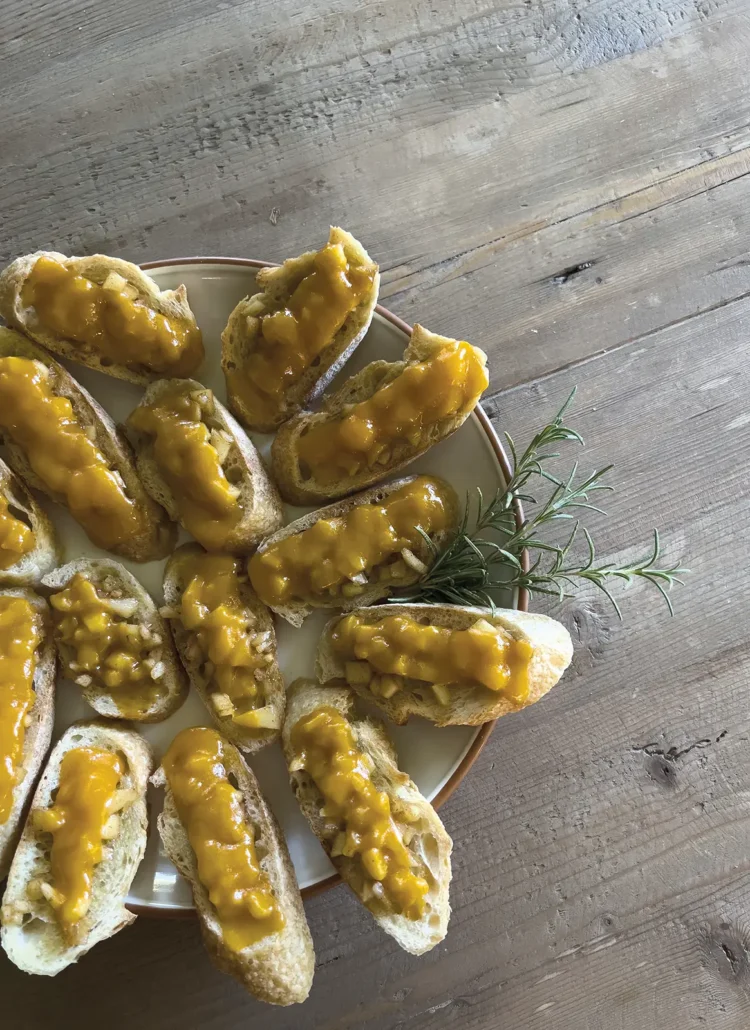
point(296, 613)
point(45, 554)
point(158, 539)
point(553, 650)
point(262, 508)
point(108, 575)
point(273, 684)
point(38, 946)
point(172, 303)
point(276, 285)
point(285, 460)
point(38, 734)
point(277, 969)
point(430, 844)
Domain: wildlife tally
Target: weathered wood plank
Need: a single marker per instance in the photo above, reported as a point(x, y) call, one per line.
point(499, 44)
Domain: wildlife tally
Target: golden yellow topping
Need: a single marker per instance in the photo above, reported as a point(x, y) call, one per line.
point(110, 321)
point(325, 748)
point(234, 650)
point(398, 417)
point(62, 455)
point(187, 453)
point(101, 648)
point(291, 339)
point(77, 820)
point(222, 837)
point(342, 556)
point(16, 538)
point(398, 646)
point(20, 636)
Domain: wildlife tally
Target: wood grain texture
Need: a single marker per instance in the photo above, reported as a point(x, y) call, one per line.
point(566, 184)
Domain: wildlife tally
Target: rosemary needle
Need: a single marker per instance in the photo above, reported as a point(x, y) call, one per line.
point(489, 555)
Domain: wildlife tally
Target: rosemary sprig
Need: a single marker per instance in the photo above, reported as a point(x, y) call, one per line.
point(489, 556)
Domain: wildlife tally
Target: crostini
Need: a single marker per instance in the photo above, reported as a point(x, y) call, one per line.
point(113, 643)
point(380, 420)
point(80, 849)
point(28, 546)
point(60, 441)
point(196, 461)
point(354, 552)
point(220, 833)
point(102, 312)
point(226, 641)
point(451, 665)
point(383, 837)
point(27, 707)
point(282, 346)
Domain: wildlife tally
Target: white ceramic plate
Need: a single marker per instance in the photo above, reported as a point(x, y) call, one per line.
point(437, 759)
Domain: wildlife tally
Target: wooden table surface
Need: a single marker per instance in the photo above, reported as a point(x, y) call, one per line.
point(566, 184)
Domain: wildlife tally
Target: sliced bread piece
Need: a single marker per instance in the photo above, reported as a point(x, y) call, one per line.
point(176, 485)
point(403, 566)
point(279, 967)
point(416, 821)
point(129, 285)
point(243, 333)
point(45, 552)
point(369, 460)
point(550, 650)
point(31, 934)
point(256, 627)
point(155, 535)
point(37, 734)
point(150, 643)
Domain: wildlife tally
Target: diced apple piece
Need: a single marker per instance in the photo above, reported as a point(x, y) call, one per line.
point(259, 719)
point(358, 674)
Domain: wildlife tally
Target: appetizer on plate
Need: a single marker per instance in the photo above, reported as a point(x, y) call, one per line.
point(27, 707)
point(283, 345)
point(60, 441)
point(103, 313)
point(28, 548)
point(83, 841)
point(354, 552)
point(380, 420)
point(383, 837)
point(113, 642)
point(451, 665)
point(226, 641)
point(220, 833)
point(196, 461)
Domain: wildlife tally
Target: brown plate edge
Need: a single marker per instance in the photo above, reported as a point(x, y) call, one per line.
point(522, 598)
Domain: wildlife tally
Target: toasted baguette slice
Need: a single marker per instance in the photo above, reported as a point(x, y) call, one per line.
point(158, 538)
point(276, 285)
point(171, 303)
point(297, 612)
point(468, 705)
point(279, 968)
point(45, 554)
point(31, 935)
point(262, 511)
point(114, 583)
point(414, 816)
point(175, 583)
point(298, 488)
point(37, 734)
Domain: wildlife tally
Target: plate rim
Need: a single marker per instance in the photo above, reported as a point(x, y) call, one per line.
point(522, 595)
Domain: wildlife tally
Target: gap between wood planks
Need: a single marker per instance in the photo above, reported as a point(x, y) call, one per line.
point(674, 188)
point(490, 403)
